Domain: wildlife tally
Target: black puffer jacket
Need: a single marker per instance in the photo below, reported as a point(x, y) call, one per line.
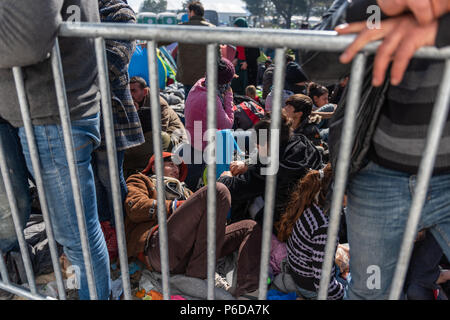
point(296, 158)
point(299, 156)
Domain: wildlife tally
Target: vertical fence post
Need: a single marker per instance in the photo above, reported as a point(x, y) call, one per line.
point(211, 188)
point(271, 178)
point(102, 63)
point(15, 210)
point(71, 161)
point(435, 129)
point(355, 85)
point(34, 155)
point(3, 270)
point(157, 147)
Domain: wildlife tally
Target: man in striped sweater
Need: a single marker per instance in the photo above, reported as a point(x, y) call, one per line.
point(380, 195)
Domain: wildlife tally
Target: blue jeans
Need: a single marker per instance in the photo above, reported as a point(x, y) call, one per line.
point(324, 133)
point(58, 188)
point(103, 185)
point(324, 123)
point(379, 200)
point(19, 178)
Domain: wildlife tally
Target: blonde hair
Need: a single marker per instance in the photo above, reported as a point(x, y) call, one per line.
point(250, 91)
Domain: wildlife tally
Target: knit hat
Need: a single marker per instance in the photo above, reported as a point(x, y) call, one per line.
point(225, 72)
point(182, 165)
point(294, 73)
point(241, 22)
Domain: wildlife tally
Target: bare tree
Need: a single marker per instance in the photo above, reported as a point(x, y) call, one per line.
point(155, 6)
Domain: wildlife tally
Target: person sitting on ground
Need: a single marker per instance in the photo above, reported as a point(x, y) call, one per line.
point(172, 129)
point(298, 108)
point(268, 76)
point(304, 227)
point(247, 183)
point(294, 83)
point(195, 113)
point(197, 104)
point(320, 95)
point(250, 92)
point(186, 227)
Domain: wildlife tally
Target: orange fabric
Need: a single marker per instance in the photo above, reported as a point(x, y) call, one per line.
point(140, 294)
point(156, 295)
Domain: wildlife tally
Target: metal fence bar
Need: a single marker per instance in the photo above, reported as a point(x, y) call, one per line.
point(271, 178)
point(347, 137)
point(437, 125)
point(71, 161)
point(211, 65)
point(19, 291)
point(157, 148)
point(34, 155)
point(254, 37)
point(12, 199)
point(4, 271)
point(102, 63)
point(312, 40)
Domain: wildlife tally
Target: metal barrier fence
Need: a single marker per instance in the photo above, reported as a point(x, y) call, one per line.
point(279, 39)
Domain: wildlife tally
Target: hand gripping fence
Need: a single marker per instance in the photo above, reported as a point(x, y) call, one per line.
point(212, 37)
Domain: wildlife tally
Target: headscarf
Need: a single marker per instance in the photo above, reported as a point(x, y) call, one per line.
point(224, 77)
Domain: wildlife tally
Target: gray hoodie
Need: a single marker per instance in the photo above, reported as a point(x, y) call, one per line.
point(28, 30)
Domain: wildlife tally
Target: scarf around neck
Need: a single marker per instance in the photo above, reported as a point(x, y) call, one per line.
point(221, 90)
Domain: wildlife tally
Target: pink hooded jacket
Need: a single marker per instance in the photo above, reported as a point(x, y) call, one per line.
point(195, 111)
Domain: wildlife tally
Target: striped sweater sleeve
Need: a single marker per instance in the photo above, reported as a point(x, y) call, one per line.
point(319, 241)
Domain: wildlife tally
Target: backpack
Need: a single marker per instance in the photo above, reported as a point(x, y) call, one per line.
point(246, 113)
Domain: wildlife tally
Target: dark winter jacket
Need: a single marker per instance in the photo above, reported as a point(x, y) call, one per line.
point(310, 130)
point(191, 59)
point(296, 158)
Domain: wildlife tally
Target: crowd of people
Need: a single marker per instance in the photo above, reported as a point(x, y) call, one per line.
point(378, 194)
